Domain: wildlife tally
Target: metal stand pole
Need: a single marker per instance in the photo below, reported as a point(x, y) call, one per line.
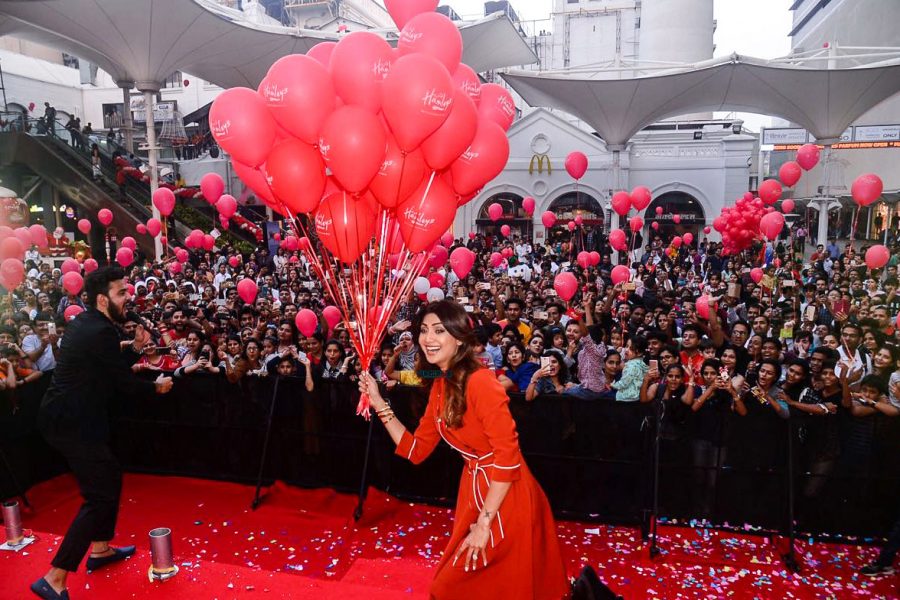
point(789, 558)
point(358, 512)
point(265, 453)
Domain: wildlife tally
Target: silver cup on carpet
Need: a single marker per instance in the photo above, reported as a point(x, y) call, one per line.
point(162, 566)
point(12, 521)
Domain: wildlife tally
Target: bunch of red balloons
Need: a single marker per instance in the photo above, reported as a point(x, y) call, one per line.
point(355, 129)
point(740, 224)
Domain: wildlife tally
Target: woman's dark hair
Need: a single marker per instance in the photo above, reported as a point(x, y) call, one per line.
point(715, 363)
point(520, 348)
point(97, 282)
point(563, 368)
point(340, 347)
point(253, 341)
point(456, 322)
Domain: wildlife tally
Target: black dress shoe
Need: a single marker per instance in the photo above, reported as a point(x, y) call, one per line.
point(118, 554)
point(42, 589)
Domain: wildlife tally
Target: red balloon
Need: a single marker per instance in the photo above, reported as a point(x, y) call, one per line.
point(571, 225)
point(24, 236)
point(447, 240)
point(688, 238)
point(677, 241)
point(584, 259)
point(345, 226)
point(576, 165)
point(787, 206)
point(247, 290)
point(756, 274)
point(548, 219)
point(212, 187)
point(770, 191)
point(482, 161)
point(359, 65)
point(659, 210)
point(495, 211)
point(620, 274)
point(808, 156)
point(426, 214)
point(507, 252)
point(438, 257)
point(595, 258)
point(528, 205)
point(636, 224)
point(255, 179)
point(468, 81)
point(12, 247)
point(877, 256)
point(445, 145)
point(208, 242)
point(641, 197)
point(655, 225)
point(565, 284)
point(402, 11)
point(297, 174)
point(621, 203)
point(164, 201)
point(418, 96)
point(322, 52)
point(790, 173)
point(70, 265)
point(505, 231)
point(771, 225)
point(353, 144)
point(154, 227)
point(226, 206)
point(307, 322)
point(124, 256)
point(435, 35)
point(703, 306)
point(72, 311)
point(72, 282)
point(676, 219)
point(399, 176)
point(299, 94)
point(706, 230)
point(242, 125)
point(12, 272)
point(332, 316)
point(578, 219)
point(105, 216)
point(461, 261)
point(129, 242)
point(497, 105)
point(496, 259)
point(436, 280)
point(38, 236)
point(90, 265)
point(471, 235)
point(866, 189)
point(141, 228)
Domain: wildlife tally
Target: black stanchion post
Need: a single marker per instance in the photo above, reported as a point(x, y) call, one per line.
point(358, 512)
point(654, 513)
point(789, 557)
point(17, 487)
point(265, 452)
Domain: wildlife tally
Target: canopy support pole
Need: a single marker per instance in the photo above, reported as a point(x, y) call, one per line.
point(150, 89)
point(127, 120)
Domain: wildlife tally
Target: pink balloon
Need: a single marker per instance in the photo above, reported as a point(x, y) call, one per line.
point(703, 306)
point(495, 211)
point(472, 235)
point(129, 242)
point(181, 255)
point(124, 256)
point(641, 197)
point(706, 230)
point(447, 240)
point(866, 189)
point(226, 206)
point(528, 205)
point(584, 259)
point(461, 261)
point(468, 81)
point(659, 210)
point(105, 216)
point(771, 225)
point(297, 175)
point(72, 282)
point(677, 241)
point(617, 240)
point(256, 179)
point(565, 284)
point(345, 226)
point(756, 274)
point(90, 265)
point(307, 322)
point(208, 242)
point(24, 236)
point(485, 158)
point(439, 257)
point(322, 52)
point(141, 229)
point(548, 219)
point(12, 273)
point(636, 224)
point(808, 156)
point(360, 63)
point(247, 290)
point(175, 267)
point(497, 105)
point(212, 187)
point(234, 261)
point(496, 259)
point(38, 236)
point(454, 136)
point(433, 34)
point(790, 173)
point(426, 214)
point(571, 225)
point(688, 238)
point(70, 265)
point(676, 219)
point(787, 206)
point(353, 143)
point(770, 191)
point(402, 11)
point(332, 316)
point(12, 247)
point(576, 165)
point(154, 226)
point(399, 176)
point(164, 201)
point(621, 203)
point(655, 225)
point(595, 258)
point(72, 311)
point(418, 96)
point(504, 230)
point(242, 125)
point(877, 256)
point(578, 219)
point(506, 252)
point(299, 94)
point(620, 274)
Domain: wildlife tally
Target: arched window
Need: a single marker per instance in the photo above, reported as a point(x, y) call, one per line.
point(689, 210)
point(513, 215)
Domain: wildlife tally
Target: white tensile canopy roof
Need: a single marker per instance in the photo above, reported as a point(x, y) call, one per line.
point(145, 41)
point(824, 101)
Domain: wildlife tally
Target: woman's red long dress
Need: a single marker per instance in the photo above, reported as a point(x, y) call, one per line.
point(524, 560)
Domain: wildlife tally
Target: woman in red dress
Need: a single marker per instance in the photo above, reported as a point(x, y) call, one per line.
point(503, 543)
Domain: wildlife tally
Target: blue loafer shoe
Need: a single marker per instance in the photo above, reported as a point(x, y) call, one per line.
point(118, 554)
point(42, 589)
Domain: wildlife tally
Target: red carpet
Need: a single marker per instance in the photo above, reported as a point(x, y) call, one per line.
point(304, 544)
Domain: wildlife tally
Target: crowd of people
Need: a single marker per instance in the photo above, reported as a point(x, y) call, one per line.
point(815, 339)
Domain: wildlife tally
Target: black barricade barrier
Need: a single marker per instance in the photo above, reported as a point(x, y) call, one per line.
point(593, 458)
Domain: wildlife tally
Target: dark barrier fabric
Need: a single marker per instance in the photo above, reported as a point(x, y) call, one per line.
point(593, 458)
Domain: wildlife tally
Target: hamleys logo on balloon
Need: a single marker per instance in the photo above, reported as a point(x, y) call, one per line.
point(506, 106)
point(323, 224)
point(324, 148)
point(472, 89)
point(417, 219)
point(385, 166)
point(436, 101)
point(220, 129)
point(410, 35)
point(469, 155)
point(273, 93)
point(381, 68)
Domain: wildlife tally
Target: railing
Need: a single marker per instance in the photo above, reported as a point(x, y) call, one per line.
point(593, 458)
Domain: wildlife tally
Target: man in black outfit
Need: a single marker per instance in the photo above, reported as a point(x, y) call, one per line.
point(93, 370)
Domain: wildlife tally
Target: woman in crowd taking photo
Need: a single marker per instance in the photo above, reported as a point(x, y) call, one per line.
point(552, 378)
point(503, 542)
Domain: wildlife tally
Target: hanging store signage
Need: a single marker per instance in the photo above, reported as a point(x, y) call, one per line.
point(162, 111)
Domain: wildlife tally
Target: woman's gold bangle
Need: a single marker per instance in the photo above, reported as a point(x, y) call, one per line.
point(386, 421)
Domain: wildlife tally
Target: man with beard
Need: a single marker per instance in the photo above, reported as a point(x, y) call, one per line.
point(92, 372)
